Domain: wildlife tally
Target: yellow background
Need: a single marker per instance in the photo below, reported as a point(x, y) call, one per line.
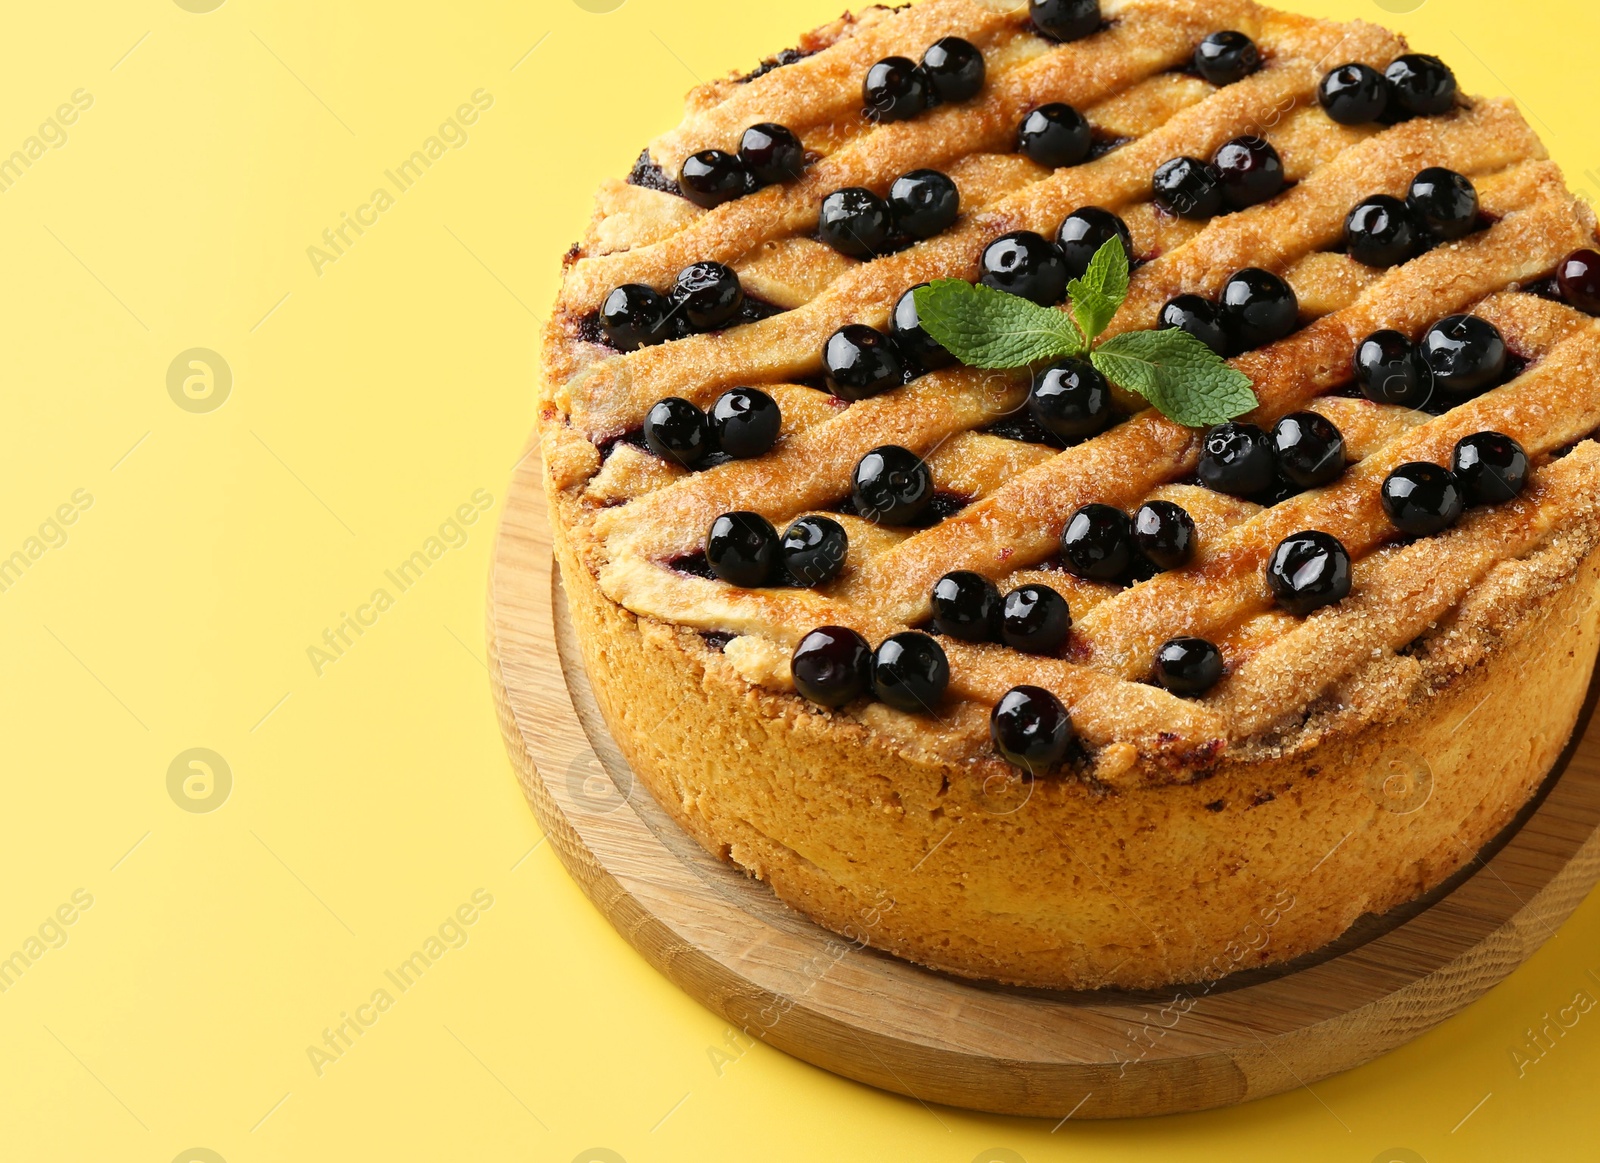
point(369, 400)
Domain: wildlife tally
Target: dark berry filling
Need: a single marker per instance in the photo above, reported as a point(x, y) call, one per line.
point(905, 327)
point(676, 430)
point(1354, 94)
point(1026, 264)
point(966, 605)
point(1380, 232)
point(1097, 543)
point(1389, 370)
point(924, 203)
point(1070, 400)
point(744, 422)
point(954, 68)
point(1188, 666)
point(742, 549)
point(1035, 620)
point(1466, 354)
point(814, 550)
point(862, 362)
point(1224, 58)
point(1188, 188)
point(1031, 729)
point(856, 222)
point(1307, 571)
point(895, 89)
point(1309, 448)
point(1164, 534)
point(1055, 135)
point(1084, 232)
point(832, 666)
point(1422, 499)
point(1199, 317)
point(1237, 459)
point(910, 672)
point(1578, 279)
point(891, 486)
point(1257, 308)
point(1065, 20)
point(1250, 172)
point(1490, 467)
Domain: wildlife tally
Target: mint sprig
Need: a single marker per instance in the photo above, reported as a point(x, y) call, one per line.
point(1179, 375)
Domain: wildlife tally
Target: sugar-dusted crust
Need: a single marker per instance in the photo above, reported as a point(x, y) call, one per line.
point(1182, 818)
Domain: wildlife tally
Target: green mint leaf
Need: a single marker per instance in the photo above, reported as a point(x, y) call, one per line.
point(1180, 376)
point(983, 327)
point(1100, 292)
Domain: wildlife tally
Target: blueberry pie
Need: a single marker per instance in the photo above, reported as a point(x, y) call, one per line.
point(1079, 689)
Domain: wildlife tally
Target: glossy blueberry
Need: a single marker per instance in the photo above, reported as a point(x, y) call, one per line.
point(713, 176)
point(895, 89)
point(1237, 459)
point(1065, 19)
point(1035, 620)
point(1465, 353)
point(772, 154)
point(1443, 202)
point(1490, 467)
point(1054, 135)
point(708, 295)
point(1422, 498)
point(634, 316)
point(1097, 543)
point(1354, 94)
point(954, 68)
point(1250, 171)
point(676, 430)
point(1164, 533)
point(862, 362)
point(891, 486)
point(1188, 187)
point(905, 326)
point(832, 666)
point(910, 672)
point(1257, 308)
point(966, 605)
point(924, 203)
point(814, 550)
point(1310, 449)
point(1420, 86)
point(1308, 570)
point(745, 422)
point(1070, 400)
point(742, 549)
point(1578, 278)
point(1380, 232)
point(1188, 666)
point(1084, 232)
point(1031, 729)
point(1199, 317)
point(1026, 264)
point(1389, 370)
point(855, 222)
point(1225, 57)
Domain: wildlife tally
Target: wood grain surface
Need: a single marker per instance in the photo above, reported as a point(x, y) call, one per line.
point(729, 942)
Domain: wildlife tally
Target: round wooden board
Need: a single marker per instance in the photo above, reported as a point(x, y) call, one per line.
point(731, 944)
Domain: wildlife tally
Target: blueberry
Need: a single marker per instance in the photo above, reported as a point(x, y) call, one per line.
point(1097, 543)
point(1250, 171)
point(1380, 232)
point(1422, 498)
point(1465, 353)
point(1389, 370)
point(954, 68)
point(708, 294)
point(1031, 729)
point(905, 327)
point(910, 672)
point(1199, 317)
point(1070, 400)
point(772, 154)
point(634, 316)
point(1188, 666)
point(745, 422)
point(1035, 620)
point(895, 89)
point(1578, 278)
point(1226, 57)
point(1054, 135)
point(1490, 467)
point(1237, 459)
point(1026, 264)
point(1065, 19)
point(855, 222)
point(924, 203)
point(1257, 308)
point(713, 176)
point(1188, 187)
point(832, 666)
point(1164, 533)
point(742, 549)
point(1444, 203)
point(1084, 232)
point(1354, 94)
point(1420, 85)
point(891, 486)
point(966, 605)
point(861, 362)
point(1308, 570)
point(1310, 449)
point(676, 430)
point(814, 550)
